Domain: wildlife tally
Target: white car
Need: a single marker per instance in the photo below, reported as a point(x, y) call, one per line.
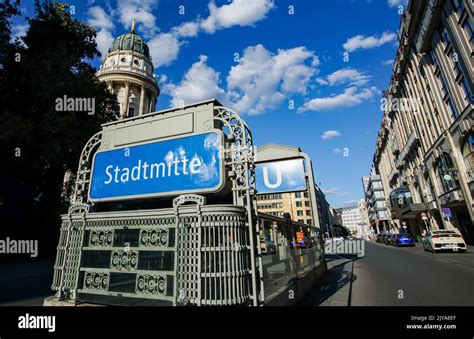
point(444, 240)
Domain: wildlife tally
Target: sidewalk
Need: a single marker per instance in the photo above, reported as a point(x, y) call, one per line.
point(334, 288)
point(25, 283)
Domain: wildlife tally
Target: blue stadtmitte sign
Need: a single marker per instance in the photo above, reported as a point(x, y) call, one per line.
point(280, 176)
point(185, 165)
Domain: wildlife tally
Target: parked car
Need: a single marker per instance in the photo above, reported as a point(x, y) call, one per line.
point(379, 237)
point(402, 239)
point(386, 239)
point(267, 246)
point(444, 240)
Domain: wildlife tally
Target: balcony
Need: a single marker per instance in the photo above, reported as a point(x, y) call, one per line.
point(411, 142)
point(470, 175)
point(398, 164)
point(395, 148)
point(451, 197)
point(393, 174)
point(429, 20)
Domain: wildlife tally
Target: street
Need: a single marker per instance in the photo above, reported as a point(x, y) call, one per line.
point(26, 284)
point(393, 276)
point(385, 276)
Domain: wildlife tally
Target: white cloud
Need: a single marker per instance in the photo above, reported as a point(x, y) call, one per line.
point(237, 13)
point(387, 62)
point(164, 49)
point(187, 30)
point(99, 19)
point(262, 80)
point(19, 30)
point(351, 97)
point(362, 42)
point(104, 40)
point(348, 75)
point(141, 11)
point(329, 134)
point(200, 82)
point(337, 151)
point(334, 191)
point(321, 81)
point(102, 22)
point(394, 3)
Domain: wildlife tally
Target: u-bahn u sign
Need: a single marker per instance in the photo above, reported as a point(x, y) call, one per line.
point(191, 164)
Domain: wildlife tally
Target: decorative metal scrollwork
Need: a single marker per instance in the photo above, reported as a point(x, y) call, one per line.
point(151, 284)
point(101, 238)
point(96, 281)
point(124, 260)
point(78, 208)
point(83, 172)
point(242, 155)
point(155, 237)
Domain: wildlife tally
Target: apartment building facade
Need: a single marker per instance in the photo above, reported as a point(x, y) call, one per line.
point(376, 204)
point(296, 204)
point(425, 147)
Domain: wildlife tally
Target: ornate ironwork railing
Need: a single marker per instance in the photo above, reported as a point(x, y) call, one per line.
point(191, 254)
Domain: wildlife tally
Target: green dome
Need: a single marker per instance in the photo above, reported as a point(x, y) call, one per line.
point(130, 41)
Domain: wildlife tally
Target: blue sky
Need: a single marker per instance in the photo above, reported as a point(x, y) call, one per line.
point(281, 67)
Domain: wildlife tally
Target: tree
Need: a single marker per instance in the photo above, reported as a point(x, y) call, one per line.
point(39, 143)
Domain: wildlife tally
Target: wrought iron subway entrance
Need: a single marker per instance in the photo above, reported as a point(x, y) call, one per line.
point(192, 253)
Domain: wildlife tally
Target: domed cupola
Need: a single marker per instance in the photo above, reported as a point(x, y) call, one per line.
point(130, 41)
point(128, 71)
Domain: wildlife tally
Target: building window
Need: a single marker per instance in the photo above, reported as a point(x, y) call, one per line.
point(468, 156)
point(306, 203)
point(444, 87)
point(306, 195)
point(458, 6)
point(131, 112)
point(454, 113)
point(469, 28)
point(468, 97)
point(443, 32)
point(299, 213)
point(308, 213)
point(299, 204)
point(298, 195)
point(447, 174)
point(434, 58)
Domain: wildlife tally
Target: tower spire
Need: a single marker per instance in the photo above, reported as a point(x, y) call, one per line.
point(133, 25)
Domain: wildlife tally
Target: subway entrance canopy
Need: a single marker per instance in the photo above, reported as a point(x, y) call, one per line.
point(164, 213)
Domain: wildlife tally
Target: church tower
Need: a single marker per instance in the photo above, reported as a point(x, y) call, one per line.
point(129, 74)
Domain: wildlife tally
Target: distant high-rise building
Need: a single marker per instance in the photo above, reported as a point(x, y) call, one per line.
point(376, 203)
point(351, 217)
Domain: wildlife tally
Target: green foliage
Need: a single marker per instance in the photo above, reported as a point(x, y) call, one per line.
point(48, 63)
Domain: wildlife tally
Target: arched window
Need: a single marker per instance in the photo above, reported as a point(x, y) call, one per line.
point(468, 156)
point(447, 173)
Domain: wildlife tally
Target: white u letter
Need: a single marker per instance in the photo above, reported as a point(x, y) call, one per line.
point(265, 178)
